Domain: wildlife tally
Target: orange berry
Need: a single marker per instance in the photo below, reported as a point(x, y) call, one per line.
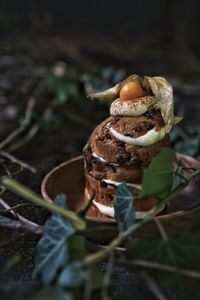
point(130, 91)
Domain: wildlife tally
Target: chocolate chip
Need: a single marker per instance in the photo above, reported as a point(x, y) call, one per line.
point(123, 158)
point(120, 144)
point(113, 168)
point(89, 166)
point(110, 197)
point(103, 184)
point(135, 162)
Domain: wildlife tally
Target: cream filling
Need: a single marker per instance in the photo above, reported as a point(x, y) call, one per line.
point(117, 183)
point(102, 159)
point(151, 137)
point(105, 210)
point(131, 108)
point(110, 211)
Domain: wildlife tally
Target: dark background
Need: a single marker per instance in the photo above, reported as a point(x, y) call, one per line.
point(170, 21)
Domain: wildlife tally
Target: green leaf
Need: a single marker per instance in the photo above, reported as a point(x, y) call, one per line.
point(76, 247)
point(63, 87)
point(97, 277)
point(123, 205)
point(178, 177)
point(152, 249)
point(55, 122)
point(11, 263)
point(180, 252)
point(158, 176)
point(72, 276)
point(53, 293)
point(51, 250)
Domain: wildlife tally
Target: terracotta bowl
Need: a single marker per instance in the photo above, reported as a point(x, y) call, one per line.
point(182, 214)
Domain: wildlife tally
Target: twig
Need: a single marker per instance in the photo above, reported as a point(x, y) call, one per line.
point(17, 215)
point(13, 135)
point(7, 171)
point(152, 286)
point(93, 258)
point(166, 268)
point(18, 161)
point(16, 206)
point(20, 225)
point(182, 133)
point(33, 197)
point(106, 279)
point(82, 212)
point(161, 229)
point(28, 114)
point(88, 286)
point(2, 189)
point(117, 249)
point(35, 128)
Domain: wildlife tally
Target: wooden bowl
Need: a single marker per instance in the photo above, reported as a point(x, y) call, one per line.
point(182, 214)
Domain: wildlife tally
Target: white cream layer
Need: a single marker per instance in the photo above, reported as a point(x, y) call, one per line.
point(110, 211)
point(151, 137)
point(117, 183)
point(102, 159)
point(130, 108)
point(105, 210)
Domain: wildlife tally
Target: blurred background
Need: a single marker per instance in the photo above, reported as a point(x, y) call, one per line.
point(53, 53)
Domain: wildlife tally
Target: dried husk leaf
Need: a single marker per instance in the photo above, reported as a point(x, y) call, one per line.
point(162, 90)
point(113, 93)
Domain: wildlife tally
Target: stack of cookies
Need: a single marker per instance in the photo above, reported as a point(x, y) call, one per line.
point(121, 147)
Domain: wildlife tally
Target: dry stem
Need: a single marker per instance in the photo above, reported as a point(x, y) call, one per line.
point(20, 225)
point(152, 286)
point(33, 197)
point(17, 161)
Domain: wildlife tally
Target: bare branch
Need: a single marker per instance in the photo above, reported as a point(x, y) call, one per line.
point(19, 225)
point(166, 268)
point(106, 279)
point(18, 161)
point(31, 196)
point(152, 286)
point(15, 207)
point(82, 212)
point(88, 287)
point(22, 127)
point(35, 128)
point(161, 229)
point(28, 114)
point(17, 215)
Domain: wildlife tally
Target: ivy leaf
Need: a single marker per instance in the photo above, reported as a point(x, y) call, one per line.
point(11, 263)
point(51, 250)
point(52, 293)
point(178, 177)
point(63, 87)
point(158, 176)
point(180, 252)
point(123, 205)
point(72, 276)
